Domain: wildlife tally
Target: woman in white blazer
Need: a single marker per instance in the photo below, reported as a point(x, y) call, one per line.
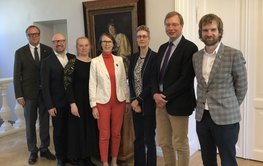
point(108, 94)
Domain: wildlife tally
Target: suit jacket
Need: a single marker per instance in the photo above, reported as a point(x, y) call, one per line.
point(27, 72)
point(178, 81)
point(52, 78)
point(226, 87)
point(145, 99)
point(100, 84)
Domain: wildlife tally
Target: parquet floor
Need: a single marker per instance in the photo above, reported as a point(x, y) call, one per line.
point(13, 152)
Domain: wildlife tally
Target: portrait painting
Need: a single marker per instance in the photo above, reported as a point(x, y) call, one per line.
point(118, 17)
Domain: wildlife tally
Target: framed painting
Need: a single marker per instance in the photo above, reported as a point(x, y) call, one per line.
point(119, 17)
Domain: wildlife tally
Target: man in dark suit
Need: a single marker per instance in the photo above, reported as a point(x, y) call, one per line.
point(29, 94)
point(52, 77)
point(173, 92)
point(221, 87)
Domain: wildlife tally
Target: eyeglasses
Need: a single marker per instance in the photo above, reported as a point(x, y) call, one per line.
point(59, 41)
point(106, 42)
point(141, 36)
point(33, 34)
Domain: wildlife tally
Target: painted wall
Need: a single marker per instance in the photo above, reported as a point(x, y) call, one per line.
point(16, 15)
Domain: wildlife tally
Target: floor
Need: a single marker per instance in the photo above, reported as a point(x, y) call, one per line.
point(13, 152)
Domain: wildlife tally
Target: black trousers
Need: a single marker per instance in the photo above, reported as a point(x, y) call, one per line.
point(212, 136)
point(60, 131)
point(32, 110)
point(144, 144)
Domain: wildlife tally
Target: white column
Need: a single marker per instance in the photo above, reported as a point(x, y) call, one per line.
point(20, 122)
point(5, 109)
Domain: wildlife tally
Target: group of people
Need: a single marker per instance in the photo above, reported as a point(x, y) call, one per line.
point(87, 98)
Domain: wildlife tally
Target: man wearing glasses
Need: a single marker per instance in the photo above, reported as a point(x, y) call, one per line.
point(28, 92)
point(52, 78)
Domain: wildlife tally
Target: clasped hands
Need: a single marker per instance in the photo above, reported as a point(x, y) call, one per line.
point(160, 100)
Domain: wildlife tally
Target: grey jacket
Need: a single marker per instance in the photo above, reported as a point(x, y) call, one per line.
point(226, 87)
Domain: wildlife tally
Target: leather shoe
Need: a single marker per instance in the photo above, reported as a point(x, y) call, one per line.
point(47, 154)
point(32, 158)
point(61, 162)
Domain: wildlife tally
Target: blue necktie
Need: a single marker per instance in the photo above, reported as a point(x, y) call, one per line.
point(165, 62)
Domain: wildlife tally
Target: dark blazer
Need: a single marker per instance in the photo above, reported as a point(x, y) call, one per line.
point(226, 87)
point(145, 99)
point(178, 82)
point(52, 78)
point(27, 72)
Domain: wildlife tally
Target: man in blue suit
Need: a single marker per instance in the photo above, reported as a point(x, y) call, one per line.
point(28, 92)
point(221, 87)
point(52, 77)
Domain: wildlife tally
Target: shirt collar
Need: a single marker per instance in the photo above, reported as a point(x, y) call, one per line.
point(176, 42)
point(32, 47)
point(60, 55)
point(215, 51)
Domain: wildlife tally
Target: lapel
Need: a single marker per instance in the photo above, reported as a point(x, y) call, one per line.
point(116, 66)
point(199, 65)
point(102, 66)
point(146, 60)
point(175, 53)
point(29, 55)
point(162, 52)
point(43, 51)
point(57, 62)
point(217, 63)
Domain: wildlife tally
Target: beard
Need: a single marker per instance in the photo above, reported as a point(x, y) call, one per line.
point(211, 41)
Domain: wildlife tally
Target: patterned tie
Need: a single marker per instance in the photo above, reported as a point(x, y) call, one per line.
point(36, 56)
point(165, 62)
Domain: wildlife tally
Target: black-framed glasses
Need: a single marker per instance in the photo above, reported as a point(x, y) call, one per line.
point(59, 41)
point(33, 34)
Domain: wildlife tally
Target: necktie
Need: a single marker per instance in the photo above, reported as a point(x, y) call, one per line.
point(165, 61)
point(36, 55)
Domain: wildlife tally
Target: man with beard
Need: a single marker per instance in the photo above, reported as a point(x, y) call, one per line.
point(52, 78)
point(221, 87)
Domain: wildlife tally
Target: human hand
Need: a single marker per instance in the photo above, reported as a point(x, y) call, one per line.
point(21, 101)
point(95, 113)
point(159, 100)
point(74, 110)
point(138, 109)
point(52, 112)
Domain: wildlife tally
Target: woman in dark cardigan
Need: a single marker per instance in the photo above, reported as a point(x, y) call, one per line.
point(143, 105)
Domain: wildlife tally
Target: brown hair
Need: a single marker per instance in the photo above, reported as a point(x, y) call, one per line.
point(109, 36)
point(143, 28)
point(32, 26)
point(207, 19)
point(174, 13)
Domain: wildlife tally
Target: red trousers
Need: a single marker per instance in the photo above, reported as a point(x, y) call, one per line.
point(109, 124)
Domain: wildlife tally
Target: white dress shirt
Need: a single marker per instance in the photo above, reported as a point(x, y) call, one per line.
point(208, 62)
point(63, 59)
point(32, 50)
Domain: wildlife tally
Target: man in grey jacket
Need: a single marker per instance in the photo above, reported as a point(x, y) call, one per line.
point(221, 87)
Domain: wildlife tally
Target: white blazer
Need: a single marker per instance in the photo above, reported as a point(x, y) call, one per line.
point(100, 84)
